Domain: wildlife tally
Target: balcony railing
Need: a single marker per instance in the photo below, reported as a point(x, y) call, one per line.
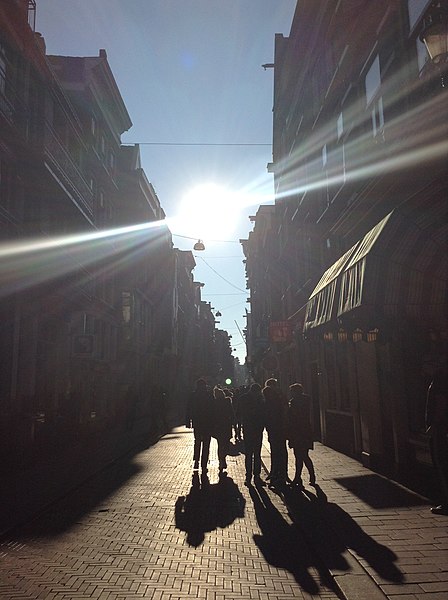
point(32, 14)
point(6, 108)
point(12, 108)
point(68, 170)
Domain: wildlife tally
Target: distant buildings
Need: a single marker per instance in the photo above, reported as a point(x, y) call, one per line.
point(108, 328)
point(348, 271)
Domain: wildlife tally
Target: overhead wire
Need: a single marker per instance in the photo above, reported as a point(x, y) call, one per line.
point(187, 237)
point(223, 278)
point(196, 144)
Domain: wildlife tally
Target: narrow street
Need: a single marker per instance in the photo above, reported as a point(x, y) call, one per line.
point(146, 527)
point(141, 529)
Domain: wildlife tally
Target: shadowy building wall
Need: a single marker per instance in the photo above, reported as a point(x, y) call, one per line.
point(359, 262)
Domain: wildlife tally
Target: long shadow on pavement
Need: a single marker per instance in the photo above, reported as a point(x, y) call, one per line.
point(208, 507)
point(283, 546)
point(26, 492)
point(90, 495)
point(379, 492)
point(332, 531)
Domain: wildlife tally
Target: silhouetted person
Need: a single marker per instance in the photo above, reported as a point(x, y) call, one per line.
point(437, 427)
point(236, 415)
point(199, 416)
point(252, 410)
point(276, 414)
point(300, 432)
point(222, 424)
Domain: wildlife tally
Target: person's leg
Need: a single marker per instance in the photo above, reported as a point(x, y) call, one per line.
point(258, 439)
point(238, 431)
point(279, 460)
point(273, 473)
point(223, 447)
point(196, 450)
point(299, 456)
point(309, 465)
point(283, 460)
point(205, 451)
point(248, 455)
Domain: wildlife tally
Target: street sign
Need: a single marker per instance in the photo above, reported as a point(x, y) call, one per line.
point(280, 331)
point(83, 345)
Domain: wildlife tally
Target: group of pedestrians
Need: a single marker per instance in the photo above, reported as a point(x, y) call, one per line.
point(212, 413)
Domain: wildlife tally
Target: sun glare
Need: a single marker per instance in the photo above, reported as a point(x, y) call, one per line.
point(208, 211)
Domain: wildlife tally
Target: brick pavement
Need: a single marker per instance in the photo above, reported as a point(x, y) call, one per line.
point(142, 528)
point(364, 524)
point(28, 490)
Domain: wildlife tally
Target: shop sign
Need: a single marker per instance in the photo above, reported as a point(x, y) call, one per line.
point(280, 331)
point(83, 345)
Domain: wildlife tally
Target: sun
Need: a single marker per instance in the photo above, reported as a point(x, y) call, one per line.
point(209, 212)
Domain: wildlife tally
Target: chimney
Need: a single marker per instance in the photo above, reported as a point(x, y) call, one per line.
point(40, 42)
point(103, 53)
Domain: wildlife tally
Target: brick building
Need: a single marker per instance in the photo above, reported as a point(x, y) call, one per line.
point(95, 302)
point(359, 236)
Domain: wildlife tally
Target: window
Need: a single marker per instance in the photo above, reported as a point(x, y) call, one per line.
point(111, 161)
point(422, 54)
point(373, 80)
point(324, 155)
point(415, 10)
point(5, 186)
point(372, 86)
point(377, 115)
point(336, 160)
point(126, 306)
point(2, 72)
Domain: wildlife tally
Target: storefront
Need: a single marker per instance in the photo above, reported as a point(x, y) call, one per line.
point(376, 325)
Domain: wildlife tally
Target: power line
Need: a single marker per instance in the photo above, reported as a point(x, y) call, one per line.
point(195, 144)
point(223, 278)
point(187, 237)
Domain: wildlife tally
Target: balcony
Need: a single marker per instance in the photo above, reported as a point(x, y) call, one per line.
point(6, 108)
point(12, 109)
point(67, 172)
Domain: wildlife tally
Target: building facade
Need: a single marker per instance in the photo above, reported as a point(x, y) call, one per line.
point(97, 307)
point(360, 227)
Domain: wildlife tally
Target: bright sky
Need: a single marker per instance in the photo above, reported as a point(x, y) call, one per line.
point(190, 72)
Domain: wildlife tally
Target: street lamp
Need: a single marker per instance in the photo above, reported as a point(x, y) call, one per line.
point(434, 35)
point(199, 245)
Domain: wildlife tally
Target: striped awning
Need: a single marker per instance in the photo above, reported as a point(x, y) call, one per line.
point(400, 267)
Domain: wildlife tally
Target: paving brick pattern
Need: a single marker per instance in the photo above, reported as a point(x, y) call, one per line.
point(143, 528)
point(387, 529)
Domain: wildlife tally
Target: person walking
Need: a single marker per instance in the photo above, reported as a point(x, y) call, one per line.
point(199, 417)
point(300, 432)
point(236, 415)
point(252, 410)
point(276, 408)
point(437, 427)
point(222, 424)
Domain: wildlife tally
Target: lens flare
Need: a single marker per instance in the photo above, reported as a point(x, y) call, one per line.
point(208, 211)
